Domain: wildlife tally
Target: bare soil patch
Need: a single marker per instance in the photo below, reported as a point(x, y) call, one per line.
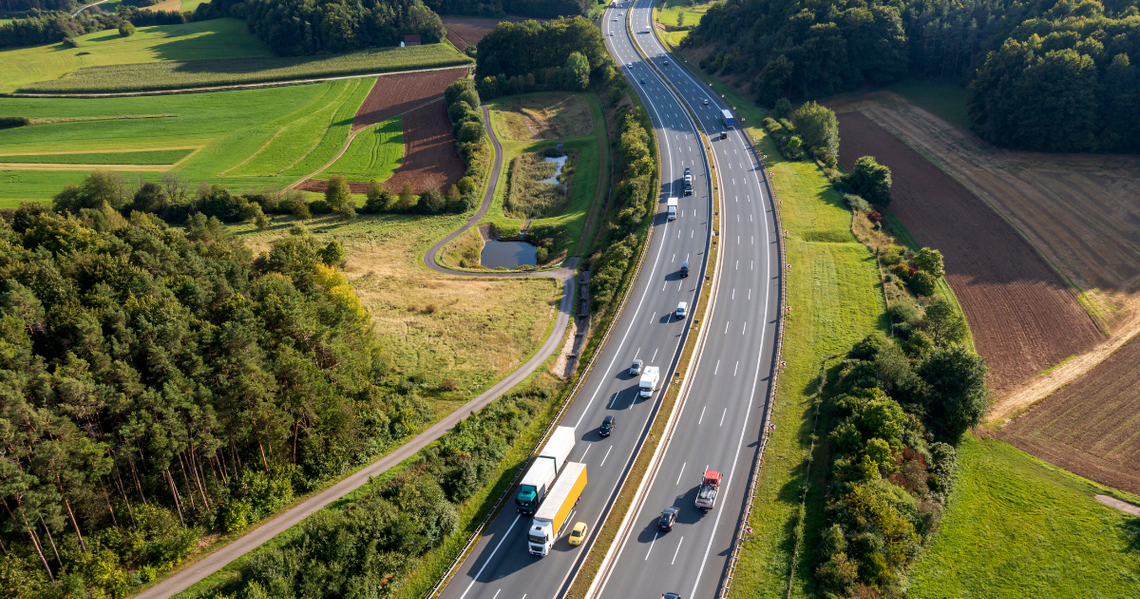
point(545, 116)
point(468, 31)
point(396, 94)
point(1023, 318)
point(1090, 426)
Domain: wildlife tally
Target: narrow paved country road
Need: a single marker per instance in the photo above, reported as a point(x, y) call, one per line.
point(252, 540)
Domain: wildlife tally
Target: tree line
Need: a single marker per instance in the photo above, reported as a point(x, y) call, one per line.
point(1052, 75)
point(305, 27)
point(539, 9)
point(160, 384)
point(12, 6)
point(530, 49)
point(51, 27)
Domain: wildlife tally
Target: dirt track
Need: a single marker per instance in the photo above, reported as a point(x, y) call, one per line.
point(1023, 318)
point(1089, 427)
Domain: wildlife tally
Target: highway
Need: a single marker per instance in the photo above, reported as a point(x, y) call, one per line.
point(720, 423)
point(500, 566)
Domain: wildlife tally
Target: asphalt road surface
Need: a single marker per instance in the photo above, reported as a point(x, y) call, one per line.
point(500, 566)
point(720, 424)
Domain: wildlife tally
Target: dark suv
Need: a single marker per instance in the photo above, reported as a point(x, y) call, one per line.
point(607, 426)
point(684, 270)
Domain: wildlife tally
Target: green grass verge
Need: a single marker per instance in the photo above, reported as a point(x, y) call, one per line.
point(249, 138)
point(232, 71)
point(110, 158)
point(1019, 527)
point(945, 100)
point(203, 40)
point(583, 186)
point(375, 153)
point(671, 10)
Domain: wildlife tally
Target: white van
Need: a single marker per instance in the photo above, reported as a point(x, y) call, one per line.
point(682, 309)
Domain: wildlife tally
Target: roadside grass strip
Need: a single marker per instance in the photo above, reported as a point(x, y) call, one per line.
point(182, 74)
point(375, 153)
point(171, 156)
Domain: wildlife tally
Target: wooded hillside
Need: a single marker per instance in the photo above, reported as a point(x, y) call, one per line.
point(1046, 75)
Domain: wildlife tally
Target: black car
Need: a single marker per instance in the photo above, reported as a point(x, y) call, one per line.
point(607, 426)
point(668, 518)
point(684, 270)
point(670, 596)
point(643, 82)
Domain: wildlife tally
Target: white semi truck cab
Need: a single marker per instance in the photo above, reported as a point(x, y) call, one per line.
point(649, 379)
point(550, 517)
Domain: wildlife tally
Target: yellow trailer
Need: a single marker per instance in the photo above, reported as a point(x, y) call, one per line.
point(550, 517)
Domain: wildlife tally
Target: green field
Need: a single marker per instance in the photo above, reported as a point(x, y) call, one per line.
point(204, 40)
point(249, 140)
point(944, 99)
point(108, 158)
point(1019, 527)
point(672, 9)
point(583, 186)
point(375, 153)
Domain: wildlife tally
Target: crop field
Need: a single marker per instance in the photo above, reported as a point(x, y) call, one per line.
point(1089, 426)
point(430, 159)
point(1015, 527)
point(200, 41)
point(375, 153)
point(1024, 320)
point(467, 31)
point(249, 139)
point(433, 326)
point(399, 93)
point(170, 156)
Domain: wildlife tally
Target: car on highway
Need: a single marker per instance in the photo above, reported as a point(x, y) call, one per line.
point(668, 519)
point(635, 368)
point(643, 81)
point(607, 426)
point(682, 309)
point(670, 596)
point(578, 534)
point(706, 101)
point(684, 270)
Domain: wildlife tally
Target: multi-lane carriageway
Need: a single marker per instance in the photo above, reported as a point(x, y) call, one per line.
point(719, 423)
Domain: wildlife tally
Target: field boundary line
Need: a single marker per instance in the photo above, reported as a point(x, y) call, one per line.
point(253, 155)
point(222, 88)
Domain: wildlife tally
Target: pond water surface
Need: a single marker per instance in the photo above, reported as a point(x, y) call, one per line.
point(508, 254)
point(558, 162)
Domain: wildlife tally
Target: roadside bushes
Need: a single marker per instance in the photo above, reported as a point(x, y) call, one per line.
point(869, 180)
point(812, 130)
point(463, 109)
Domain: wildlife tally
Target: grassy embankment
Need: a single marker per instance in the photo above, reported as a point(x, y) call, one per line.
point(534, 122)
point(375, 153)
point(671, 11)
point(1012, 523)
point(248, 140)
point(206, 53)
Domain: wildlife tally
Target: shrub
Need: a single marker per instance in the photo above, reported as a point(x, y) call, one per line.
point(930, 261)
point(875, 217)
point(11, 122)
point(922, 283)
point(337, 193)
point(379, 199)
point(871, 180)
point(904, 312)
point(856, 203)
point(126, 29)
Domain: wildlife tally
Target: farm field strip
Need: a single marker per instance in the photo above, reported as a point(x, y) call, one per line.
point(1024, 320)
point(171, 156)
point(430, 158)
point(336, 132)
point(468, 31)
point(397, 94)
point(375, 153)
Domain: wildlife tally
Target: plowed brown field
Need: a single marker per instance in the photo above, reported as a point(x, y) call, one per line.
point(430, 158)
point(466, 31)
point(1023, 318)
point(1090, 426)
point(396, 94)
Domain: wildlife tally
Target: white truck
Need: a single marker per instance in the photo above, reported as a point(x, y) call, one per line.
point(649, 379)
point(544, 470)
point(550, 517)
point(671, 205)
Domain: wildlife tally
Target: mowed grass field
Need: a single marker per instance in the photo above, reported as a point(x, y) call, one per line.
point(110, 158)
point(672, 9)
point(1014, 526)
point(375, 153)
point(249, 139)
point(1018, 527)
point(204, 40)
point(522, 127)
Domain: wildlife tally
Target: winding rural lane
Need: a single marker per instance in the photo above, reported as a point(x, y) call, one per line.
point(253, 539)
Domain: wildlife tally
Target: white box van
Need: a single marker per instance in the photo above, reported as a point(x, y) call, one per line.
point(682, 309)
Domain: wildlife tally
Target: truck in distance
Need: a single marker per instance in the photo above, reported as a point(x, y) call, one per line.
point(671, 206)
point(706, 493)
point(728, 122)
point(550, 517)
point(648, 383)
point(537, 481)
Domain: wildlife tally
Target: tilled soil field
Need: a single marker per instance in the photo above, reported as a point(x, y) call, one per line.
point(1089, 427)
point(467, 31)
point(396, 94)
point(1023, 318)
point(430, 158)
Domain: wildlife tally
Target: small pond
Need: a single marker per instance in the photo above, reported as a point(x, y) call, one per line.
point(558, 162)
point(508, 254)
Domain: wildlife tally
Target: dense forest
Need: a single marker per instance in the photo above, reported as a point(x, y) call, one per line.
point(302, 27)
point(519, 49)
point(159, 384)
point(539, 9)
point(1045, 75)
point(41, 5)
point(39, 28)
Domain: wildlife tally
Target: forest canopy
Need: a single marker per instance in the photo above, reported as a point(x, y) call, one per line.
point(539, 9)
point(1051, 75)
point(513, 49)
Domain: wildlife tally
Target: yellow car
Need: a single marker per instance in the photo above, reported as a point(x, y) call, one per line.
point(578, 534)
